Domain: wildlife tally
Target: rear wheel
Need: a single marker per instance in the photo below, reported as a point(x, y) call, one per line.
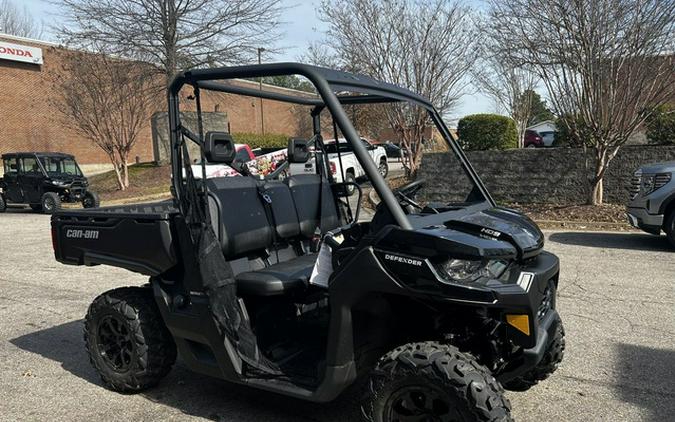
point(3, 204)
point(433, 382)
point(127, 341)
point(669, 227)
point(91, 200)
point(50, 202)
point(383, 168)
point(350, 178)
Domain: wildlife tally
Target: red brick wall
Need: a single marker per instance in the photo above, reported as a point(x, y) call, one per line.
point(30, 122)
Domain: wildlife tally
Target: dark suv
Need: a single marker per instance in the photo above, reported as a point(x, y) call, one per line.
point(43, 180)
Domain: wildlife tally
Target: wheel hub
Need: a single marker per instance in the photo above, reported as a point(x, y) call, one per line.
point(114, 343)
point(420, 404)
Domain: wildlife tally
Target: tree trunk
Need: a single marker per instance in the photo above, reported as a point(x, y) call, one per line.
point(596, 192)
point(125, 172)
point(118, 174)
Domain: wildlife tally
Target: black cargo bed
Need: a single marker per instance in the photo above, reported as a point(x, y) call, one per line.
point(137, 237)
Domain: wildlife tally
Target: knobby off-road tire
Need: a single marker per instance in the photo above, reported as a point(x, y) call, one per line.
point(51, 202)
point(433, 381)
point(91, 200)
point(127, 341)
point(669, 227)
point(548, 364)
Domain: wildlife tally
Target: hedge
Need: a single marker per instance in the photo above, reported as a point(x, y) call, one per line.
point(479, 132)
point(255, 140)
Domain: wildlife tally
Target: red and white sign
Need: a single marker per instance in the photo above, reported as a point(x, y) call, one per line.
point(20, 53)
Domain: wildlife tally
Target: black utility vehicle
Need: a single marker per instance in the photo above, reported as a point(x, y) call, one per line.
point(43, 180)
point(429, 307)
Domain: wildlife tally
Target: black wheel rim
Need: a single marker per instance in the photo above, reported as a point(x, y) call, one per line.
point(383, 169)
point(420, 404)
point(88, 202)
point(114, 343)
point(48, 204)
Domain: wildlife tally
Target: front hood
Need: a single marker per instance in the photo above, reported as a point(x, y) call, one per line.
point(496, 224)
point(665, 167)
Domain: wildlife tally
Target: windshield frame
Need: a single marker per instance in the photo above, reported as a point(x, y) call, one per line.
point(328, 84)
point(61, 158)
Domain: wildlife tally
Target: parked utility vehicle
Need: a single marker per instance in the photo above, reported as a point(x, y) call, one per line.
point(43, 180)
point(433, 306)
point(342, 161)
point(652, 199)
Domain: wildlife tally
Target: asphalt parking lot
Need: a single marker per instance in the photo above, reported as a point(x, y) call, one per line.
point(617, 300)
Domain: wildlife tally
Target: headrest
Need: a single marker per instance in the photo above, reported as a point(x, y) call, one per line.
point(219, 147)
point(298, 150)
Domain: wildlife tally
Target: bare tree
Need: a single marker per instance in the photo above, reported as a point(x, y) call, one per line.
point(174, 34)
point(19, 22)
point(109, 101)
point(509, 84)
point(605, 64)
point(427, 47)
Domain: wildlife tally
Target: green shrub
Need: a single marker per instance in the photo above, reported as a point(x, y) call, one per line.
point(661, 125)
point(255, 140)
point(479, 132)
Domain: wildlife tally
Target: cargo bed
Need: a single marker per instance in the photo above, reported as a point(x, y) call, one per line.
point(137, 237)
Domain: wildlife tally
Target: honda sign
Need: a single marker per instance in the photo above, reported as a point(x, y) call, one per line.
point(20, 53)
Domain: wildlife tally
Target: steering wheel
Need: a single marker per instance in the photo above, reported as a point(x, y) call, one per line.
point(407, 193)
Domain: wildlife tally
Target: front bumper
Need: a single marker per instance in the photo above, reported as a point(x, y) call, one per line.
point(641, 219)
point(532, 356)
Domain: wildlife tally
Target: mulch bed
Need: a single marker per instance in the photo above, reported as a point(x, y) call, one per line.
point(144, 180)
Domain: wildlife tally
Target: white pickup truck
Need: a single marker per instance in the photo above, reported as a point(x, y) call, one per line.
point(352, 168)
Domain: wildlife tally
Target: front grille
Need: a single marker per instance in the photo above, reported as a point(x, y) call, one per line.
point(634, 186)
point(546, 303)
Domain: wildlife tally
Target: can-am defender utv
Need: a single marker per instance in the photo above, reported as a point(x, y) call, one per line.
point(434, 307)
point(44, 180)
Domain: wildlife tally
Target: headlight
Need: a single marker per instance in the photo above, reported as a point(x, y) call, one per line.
point(60, 183)
point(652, 182)
point(464, 271)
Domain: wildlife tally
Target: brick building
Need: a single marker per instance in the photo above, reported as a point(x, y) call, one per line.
point(30, 120)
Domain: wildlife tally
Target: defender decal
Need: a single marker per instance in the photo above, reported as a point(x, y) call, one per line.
point(403, 260)
point(82, 234)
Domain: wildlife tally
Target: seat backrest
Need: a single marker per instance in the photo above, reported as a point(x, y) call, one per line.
point(282, 209)
point(305, 192)
point(238, 215)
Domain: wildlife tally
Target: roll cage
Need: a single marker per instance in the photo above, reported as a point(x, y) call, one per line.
point(328, 84)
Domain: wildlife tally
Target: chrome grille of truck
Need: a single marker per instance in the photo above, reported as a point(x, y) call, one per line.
point(634, 185)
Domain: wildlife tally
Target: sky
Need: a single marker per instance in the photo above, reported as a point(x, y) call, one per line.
point(301, 26)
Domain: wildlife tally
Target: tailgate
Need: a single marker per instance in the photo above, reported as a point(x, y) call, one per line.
point(138, 237)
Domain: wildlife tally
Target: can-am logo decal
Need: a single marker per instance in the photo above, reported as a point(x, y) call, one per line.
point(403, 260)
point(81, 234)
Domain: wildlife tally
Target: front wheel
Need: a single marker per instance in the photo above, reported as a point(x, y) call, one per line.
point(548, 364)
point(433, 381)
point(51, 202)
point(127, 341)
point(91, 200)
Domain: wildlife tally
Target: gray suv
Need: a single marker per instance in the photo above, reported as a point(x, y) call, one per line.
point(652, 199)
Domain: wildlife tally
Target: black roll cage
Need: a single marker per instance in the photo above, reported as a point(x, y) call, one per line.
point(326, 82)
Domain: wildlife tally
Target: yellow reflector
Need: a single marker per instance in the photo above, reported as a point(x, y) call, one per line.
point(520, 322)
